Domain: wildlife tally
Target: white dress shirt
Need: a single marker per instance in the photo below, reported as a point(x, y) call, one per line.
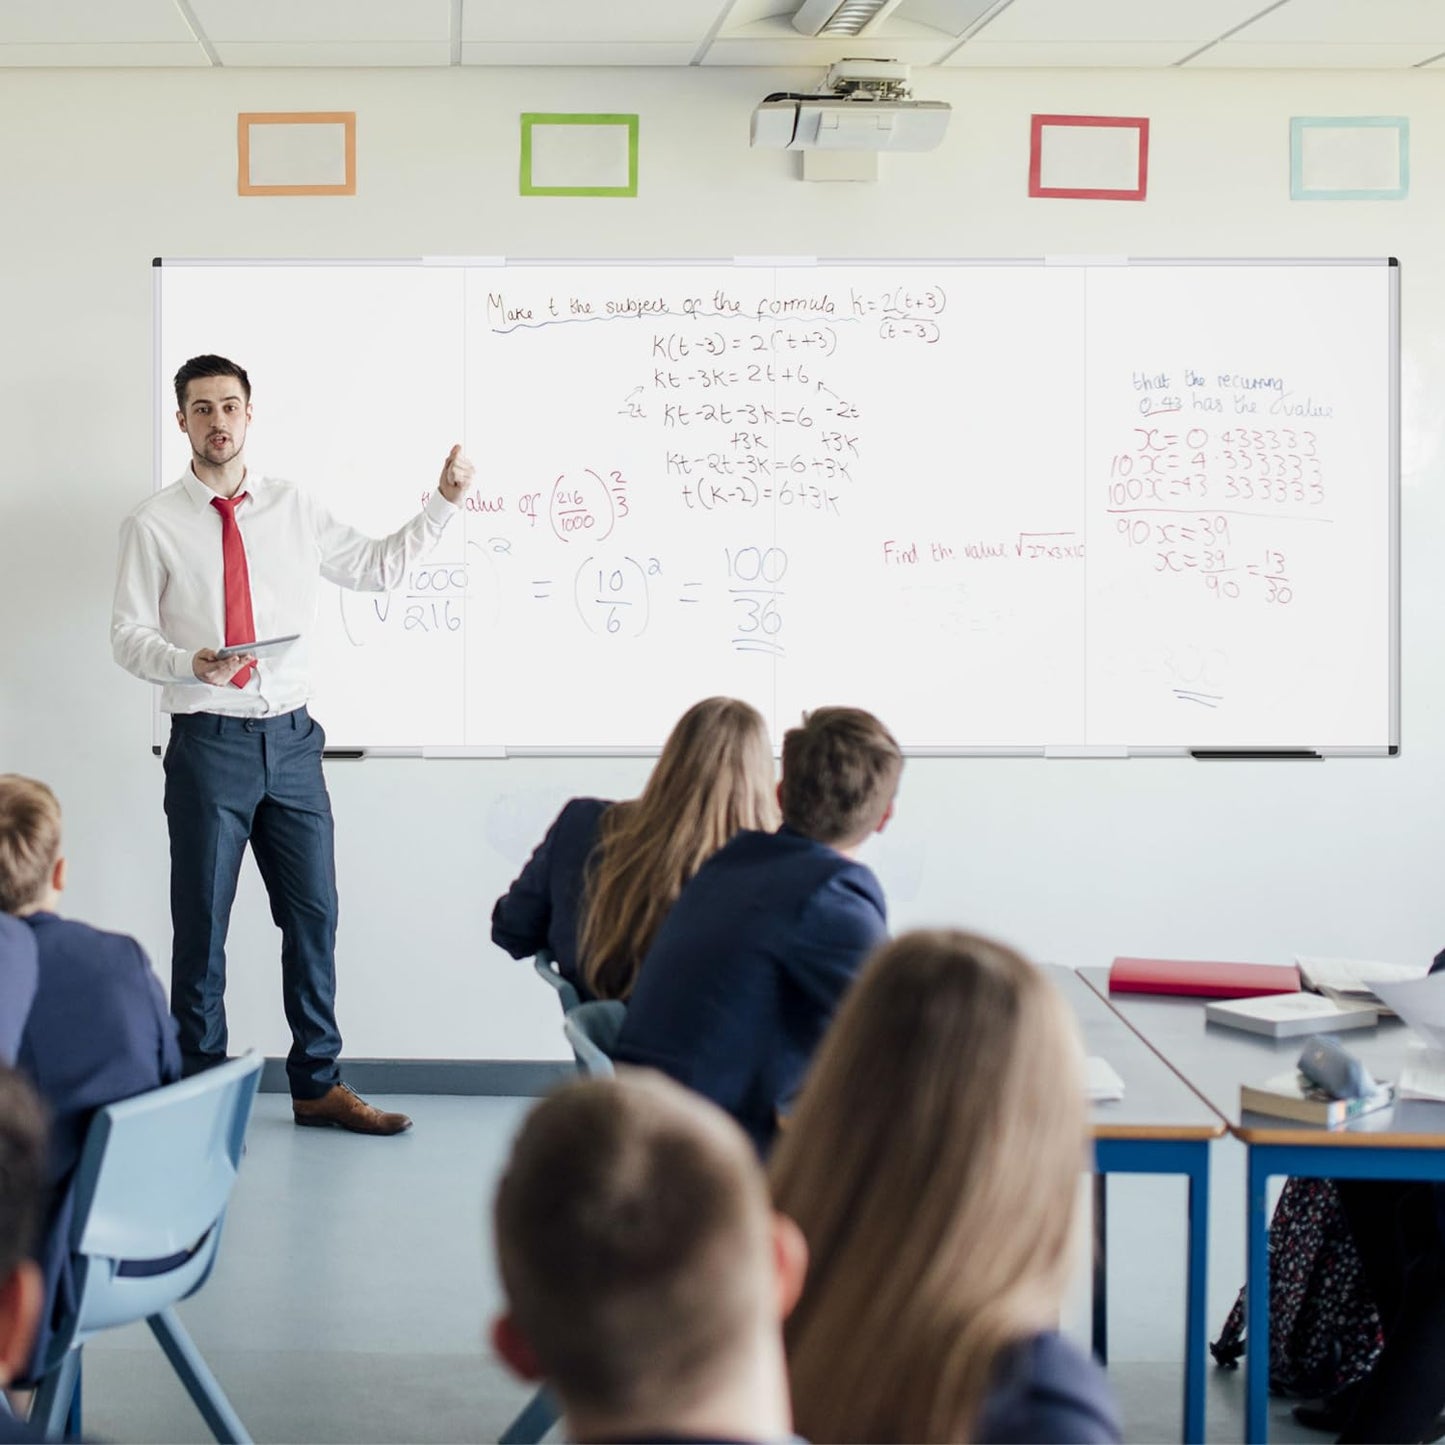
point(170, 598)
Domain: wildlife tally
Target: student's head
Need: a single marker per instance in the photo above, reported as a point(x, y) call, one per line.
point(645, 1272)
point(840, 772)
point(932, 1164)
point(22, 1187)
point(714, 777)
point(32, 869)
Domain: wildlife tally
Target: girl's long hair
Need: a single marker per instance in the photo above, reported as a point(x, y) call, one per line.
point(714, 777)
point(933, 1165)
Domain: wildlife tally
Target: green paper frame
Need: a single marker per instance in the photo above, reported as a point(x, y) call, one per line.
point(530, 119)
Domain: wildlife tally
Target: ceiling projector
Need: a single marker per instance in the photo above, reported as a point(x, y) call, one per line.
point(866, 107)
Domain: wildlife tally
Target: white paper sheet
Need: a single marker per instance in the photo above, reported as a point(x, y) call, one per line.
point(1421, 1004)
point(1102, 1081)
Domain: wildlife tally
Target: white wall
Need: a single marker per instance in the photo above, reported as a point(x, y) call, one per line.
point(1075, 862)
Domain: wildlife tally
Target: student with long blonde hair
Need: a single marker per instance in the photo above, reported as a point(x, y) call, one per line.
point(603, 878)
point(933, 1163)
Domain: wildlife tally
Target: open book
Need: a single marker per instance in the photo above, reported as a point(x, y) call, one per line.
point(1349, 980)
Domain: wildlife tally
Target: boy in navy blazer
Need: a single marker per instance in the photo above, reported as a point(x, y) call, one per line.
point(98, 1030)
point(751, 962)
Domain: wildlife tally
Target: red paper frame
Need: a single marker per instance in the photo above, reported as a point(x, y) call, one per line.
point(1117, 122)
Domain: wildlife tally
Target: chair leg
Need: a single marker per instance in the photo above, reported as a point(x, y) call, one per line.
point(73, 1415)
point(538, 1416)
point(50, 1409)
point(196, 1376)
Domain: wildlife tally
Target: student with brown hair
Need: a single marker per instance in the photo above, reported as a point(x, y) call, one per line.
point(645, 1272)
point(932, 1163)
point(600, 882)
point(750, 962)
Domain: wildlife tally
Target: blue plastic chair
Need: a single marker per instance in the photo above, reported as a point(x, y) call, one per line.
point(592, 1030)
point(546, 967)
point(151, 1191)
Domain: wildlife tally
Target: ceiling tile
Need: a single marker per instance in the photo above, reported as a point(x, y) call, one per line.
point(389, 54)
point(745, 12)
point(567, 53)
point(1369, 22)
point(806, 51)
point(1136, 22)
point(91, 22)
point(1108, 56)
point(1229, 55)
point(952, 17)
point(654, 21)
point(86, 56)
point(315, 22)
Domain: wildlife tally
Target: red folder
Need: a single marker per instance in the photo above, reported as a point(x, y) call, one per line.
point(1202, 980)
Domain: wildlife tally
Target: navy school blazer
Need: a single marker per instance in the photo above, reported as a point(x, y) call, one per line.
point(748, 968)
point(543, 907)
point(19, 974)
point(1046, 1389)
point(98, 1031)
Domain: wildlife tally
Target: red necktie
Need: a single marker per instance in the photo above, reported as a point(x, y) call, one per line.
point(239, 625)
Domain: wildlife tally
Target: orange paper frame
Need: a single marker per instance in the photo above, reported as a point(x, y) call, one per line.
point(246, 119)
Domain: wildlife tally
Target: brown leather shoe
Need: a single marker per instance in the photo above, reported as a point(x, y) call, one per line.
point(341, 1107)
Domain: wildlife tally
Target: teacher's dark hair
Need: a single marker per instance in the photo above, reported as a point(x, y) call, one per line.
point(199, 366)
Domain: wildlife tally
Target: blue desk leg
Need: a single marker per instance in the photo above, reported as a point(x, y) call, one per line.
point(1256, 1300)
point(1196, 1297)
point(1189, 1157)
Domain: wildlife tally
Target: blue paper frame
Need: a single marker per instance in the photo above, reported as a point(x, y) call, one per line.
point(1298, 124)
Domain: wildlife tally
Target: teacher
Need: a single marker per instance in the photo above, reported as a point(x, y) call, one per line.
point(220, 553)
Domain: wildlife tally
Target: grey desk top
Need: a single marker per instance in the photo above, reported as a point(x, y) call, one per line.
point(1215, 1060)
point(1157, 1104)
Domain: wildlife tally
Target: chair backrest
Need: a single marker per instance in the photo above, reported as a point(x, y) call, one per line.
point(546, 967)
point(151, 1190)
point(592, 1030)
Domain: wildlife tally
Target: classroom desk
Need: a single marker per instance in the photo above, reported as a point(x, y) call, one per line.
point(1405, 1142)
point(1158, 1127)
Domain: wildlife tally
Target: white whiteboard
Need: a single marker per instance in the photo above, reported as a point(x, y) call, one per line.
point(1008, 506)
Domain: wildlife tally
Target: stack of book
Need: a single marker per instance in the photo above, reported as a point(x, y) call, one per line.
point(1286, 1015)
point(1292, 1096)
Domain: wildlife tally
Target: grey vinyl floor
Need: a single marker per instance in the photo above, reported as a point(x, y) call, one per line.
point(355, 1284)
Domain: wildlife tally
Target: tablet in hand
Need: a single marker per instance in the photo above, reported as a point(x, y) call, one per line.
point(267, 644)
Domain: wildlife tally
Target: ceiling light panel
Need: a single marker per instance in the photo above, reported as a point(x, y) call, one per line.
point(840, 17)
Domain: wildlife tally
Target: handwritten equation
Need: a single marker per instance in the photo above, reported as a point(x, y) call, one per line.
point(1224, 505)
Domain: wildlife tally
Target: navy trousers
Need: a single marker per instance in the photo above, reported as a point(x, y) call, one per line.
point(232, 780)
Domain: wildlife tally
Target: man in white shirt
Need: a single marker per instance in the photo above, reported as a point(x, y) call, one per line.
point(220, 554)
